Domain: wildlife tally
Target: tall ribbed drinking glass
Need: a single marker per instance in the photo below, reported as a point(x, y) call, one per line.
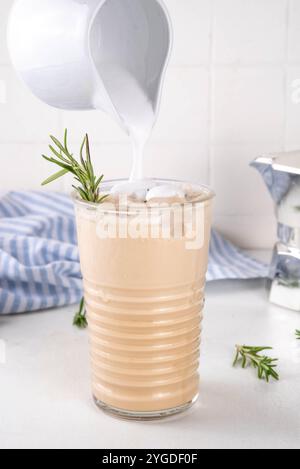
point(144, 270)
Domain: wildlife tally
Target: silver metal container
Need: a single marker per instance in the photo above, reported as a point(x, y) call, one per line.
point(281, 173)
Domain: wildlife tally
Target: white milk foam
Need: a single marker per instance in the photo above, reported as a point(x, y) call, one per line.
point(136, 189)
point(165, 191)
point(147, 190)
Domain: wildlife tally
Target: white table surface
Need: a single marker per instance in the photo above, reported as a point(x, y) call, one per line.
point(45, 395)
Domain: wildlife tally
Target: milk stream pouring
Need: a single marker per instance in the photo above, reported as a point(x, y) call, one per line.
point(95, 54)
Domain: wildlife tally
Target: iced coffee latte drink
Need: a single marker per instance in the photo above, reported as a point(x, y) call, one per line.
point(144, 254)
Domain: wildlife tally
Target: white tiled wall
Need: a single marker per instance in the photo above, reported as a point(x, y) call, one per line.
point(232, 92)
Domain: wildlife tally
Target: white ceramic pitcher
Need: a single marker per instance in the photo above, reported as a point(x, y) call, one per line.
point(63, 49)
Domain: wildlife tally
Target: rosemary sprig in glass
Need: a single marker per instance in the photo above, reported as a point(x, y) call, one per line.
point(87, 183)
point(297, 334)
point(80, 320)
point(249, 356)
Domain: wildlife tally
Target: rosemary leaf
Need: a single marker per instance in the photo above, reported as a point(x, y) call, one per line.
point(62, 148)
point(54, 177)
point(101, 199)
point(57, 154)
point(66, 139)
point(81, 153)
point(80, 320)
point(98, 182)
point(67, 167)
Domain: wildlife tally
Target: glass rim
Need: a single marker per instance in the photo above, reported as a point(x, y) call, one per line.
point(209, 193)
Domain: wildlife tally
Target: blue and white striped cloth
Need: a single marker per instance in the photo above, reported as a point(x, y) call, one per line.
point(39, 261)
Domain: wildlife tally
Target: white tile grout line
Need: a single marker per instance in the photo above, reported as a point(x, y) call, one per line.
point(217, 65)
point(211, 95)
point(60, 122)
point(286, 66)
point(3, 92)
point(2, 352)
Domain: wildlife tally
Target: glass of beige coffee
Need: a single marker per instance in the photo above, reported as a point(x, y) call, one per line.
point(144, 259)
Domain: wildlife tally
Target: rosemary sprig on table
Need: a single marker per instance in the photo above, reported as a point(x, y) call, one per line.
point(288, 283)
point(297, 334)
point(80, 320)
point(88, 184)
point(249, 356)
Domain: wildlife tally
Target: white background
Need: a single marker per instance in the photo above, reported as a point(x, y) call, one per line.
point(227, 99)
